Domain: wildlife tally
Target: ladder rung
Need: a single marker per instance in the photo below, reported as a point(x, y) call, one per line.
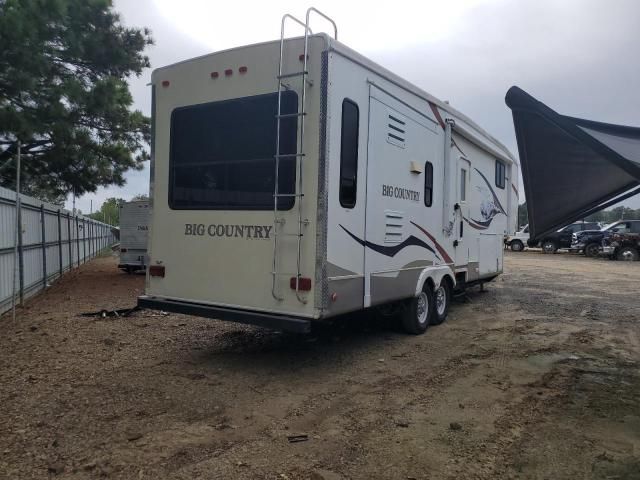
point(278, 195)
point(289, 155)
point(288, 115)
point(294, 74)
point(284, 274)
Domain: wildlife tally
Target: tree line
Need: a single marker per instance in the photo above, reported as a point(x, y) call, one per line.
point(109, 211)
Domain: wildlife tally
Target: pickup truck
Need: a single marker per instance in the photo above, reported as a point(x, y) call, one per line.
point(518, 240)
point(590, 241)
point(563, 238)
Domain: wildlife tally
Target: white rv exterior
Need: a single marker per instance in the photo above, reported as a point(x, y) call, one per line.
point(397, 193)
point(134, 230)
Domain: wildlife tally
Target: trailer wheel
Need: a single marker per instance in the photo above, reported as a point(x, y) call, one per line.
point(628, 254)
point(549, 246)
point(517, 246)
point(441, 302)
point(418, 312)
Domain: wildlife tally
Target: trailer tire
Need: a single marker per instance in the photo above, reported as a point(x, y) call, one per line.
point(441, 302)
point(517, 246)
point(418, 312)
point(592, 249)
point(549, 246)
point(628, 254)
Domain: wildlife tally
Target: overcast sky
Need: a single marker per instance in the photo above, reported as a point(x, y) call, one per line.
point(580, 57)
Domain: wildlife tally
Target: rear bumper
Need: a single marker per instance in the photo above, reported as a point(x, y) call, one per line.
point(132, 265)
point(269, 320)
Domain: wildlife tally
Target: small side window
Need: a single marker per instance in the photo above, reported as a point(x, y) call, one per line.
point(501, 173)
point(349, 154)
point(428, 184)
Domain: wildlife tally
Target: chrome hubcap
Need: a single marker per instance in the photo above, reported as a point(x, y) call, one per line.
point(423, 307)
point(627, 255)
point(441, 300)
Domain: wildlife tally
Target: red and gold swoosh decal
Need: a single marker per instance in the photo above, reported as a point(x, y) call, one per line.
point(443, 253)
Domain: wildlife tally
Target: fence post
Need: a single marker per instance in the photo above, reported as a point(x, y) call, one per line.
point(77, 240)
point(84, 241)
point(69, 240)
point(44, 248)
point(60, 242)
point(20, 251)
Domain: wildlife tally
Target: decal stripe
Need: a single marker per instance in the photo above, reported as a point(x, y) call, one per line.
point(436, 112)
point(443, 253)
point(495, 197)
point(391, 251)
point(477, 224)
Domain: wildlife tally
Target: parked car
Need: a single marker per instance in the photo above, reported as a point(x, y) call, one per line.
point(518, 240)
point(562, 238)
point(590, 241)
point(622, 246)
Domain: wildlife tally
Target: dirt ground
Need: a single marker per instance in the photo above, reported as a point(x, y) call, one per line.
point(537, 379)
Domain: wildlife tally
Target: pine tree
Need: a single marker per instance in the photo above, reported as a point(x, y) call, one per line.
point(64, 66)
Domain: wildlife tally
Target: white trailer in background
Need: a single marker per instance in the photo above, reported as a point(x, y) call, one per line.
point(134, 231)
point(296, 180)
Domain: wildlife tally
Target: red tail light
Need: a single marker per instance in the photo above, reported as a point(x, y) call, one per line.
point(242, 69)
point(215, 74)
point(166, 83)
point(156, 271)
point(304, 283)
point(228, 72)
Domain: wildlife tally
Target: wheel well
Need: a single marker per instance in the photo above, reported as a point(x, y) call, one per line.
point(449, 281)
point(429, 282)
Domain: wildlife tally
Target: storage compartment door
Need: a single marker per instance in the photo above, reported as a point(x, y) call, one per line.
point(490, 252)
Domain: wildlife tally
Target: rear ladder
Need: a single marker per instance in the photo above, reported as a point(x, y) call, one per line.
point(298, 193)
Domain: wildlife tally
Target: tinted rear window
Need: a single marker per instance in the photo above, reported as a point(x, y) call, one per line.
point(222, 154)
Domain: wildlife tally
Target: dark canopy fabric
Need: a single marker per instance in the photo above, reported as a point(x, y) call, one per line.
point(571, 167)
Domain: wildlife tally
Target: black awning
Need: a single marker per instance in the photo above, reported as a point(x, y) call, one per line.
point(571, 167)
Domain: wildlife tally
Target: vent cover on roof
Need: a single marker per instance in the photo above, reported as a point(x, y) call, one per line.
point(396, 130)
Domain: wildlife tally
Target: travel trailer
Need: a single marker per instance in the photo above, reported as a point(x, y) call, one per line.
point(134, 230)
point(296, 180)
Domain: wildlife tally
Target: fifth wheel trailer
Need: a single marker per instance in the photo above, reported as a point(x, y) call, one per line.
point(296, 180)
point(134, 230)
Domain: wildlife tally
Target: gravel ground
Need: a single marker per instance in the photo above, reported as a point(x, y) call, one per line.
point(537, 378)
